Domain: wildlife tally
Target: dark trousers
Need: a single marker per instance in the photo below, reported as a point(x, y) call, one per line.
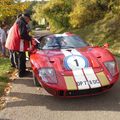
point(21, 63)
point(3, 49)
point(13, 58)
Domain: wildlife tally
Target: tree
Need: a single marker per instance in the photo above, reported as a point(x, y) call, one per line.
point(10, 8)
point(55, 12)
point(85, 12)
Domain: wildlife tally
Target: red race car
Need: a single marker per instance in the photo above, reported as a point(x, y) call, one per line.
point(67, 66)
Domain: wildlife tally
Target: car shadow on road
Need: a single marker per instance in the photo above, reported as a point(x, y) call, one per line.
point(109, 101)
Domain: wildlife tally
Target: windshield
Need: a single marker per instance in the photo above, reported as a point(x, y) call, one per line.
point(62, 42)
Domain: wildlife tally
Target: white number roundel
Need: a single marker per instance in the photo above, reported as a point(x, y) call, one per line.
point(73, 62)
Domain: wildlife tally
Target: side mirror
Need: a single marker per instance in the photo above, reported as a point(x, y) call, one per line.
point(106, 45)
point(33, 45)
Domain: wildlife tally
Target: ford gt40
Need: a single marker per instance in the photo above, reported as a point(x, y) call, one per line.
point(67, 66)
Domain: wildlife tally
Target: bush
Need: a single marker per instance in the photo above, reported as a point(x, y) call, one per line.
point(85, 13)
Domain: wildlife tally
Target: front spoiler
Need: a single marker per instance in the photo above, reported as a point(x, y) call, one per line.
point(78, 93)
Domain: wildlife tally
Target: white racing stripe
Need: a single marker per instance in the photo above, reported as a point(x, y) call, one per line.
point(82, 82)
point(91, 77)
point(75, 52)
point(72, 52)
point(65, 52)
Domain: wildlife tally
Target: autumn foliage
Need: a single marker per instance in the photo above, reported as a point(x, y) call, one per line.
point(9, 9)
point(97, 21)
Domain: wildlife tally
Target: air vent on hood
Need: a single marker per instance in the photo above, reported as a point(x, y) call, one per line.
point(98, 56)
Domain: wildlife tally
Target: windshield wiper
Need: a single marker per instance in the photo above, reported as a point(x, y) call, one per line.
point(54, 46)
point(67, 47)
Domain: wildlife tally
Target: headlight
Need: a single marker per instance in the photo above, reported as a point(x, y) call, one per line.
point(48, 75)
point(111, 66)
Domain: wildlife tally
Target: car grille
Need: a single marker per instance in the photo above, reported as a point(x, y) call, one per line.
point(83, 92)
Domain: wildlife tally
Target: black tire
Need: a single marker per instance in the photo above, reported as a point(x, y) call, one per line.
point(35, 81)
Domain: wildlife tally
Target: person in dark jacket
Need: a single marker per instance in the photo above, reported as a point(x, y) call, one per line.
point(18, 40)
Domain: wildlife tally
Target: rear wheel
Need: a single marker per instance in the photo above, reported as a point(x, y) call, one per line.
point(35, 81)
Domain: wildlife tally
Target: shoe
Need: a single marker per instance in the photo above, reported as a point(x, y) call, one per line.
point(27, 73)
point(22, 75)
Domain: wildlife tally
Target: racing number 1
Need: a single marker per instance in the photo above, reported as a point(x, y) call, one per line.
point(77, 64)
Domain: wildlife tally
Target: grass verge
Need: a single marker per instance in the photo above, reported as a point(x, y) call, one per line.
point(5, 70)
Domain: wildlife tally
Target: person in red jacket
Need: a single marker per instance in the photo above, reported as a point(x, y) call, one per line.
point(18, 40)
point(13, 54)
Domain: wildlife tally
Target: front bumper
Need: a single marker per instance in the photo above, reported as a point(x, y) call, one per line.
point(77, 93)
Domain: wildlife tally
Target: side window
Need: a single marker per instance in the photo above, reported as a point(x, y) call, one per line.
point(45, 42)
point(49, 41)
point(42, 42)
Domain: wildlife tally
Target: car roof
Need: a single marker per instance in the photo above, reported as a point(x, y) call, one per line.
point(62, 34)
point(54, 35)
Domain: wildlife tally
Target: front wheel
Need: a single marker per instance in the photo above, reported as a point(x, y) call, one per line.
point(35, 81)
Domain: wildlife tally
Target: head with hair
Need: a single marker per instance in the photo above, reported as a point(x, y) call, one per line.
point(26, 17)
point(3, 25)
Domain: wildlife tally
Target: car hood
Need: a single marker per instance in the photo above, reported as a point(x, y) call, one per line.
point(69, 59)
point(81, 67)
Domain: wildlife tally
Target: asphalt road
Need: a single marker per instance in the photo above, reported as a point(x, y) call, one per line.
point(26, 102)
